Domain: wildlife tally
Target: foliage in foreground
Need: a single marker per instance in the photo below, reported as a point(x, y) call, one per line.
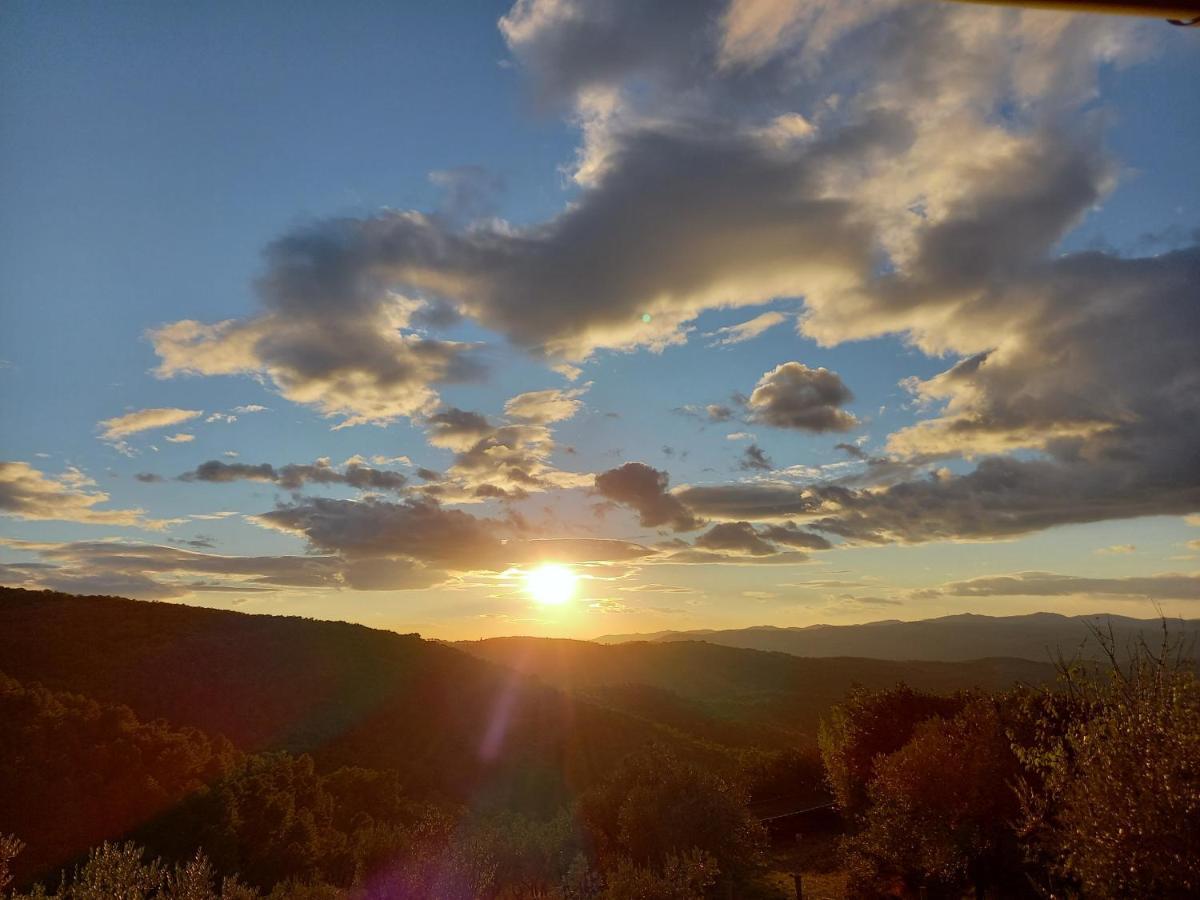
point(1089, 790)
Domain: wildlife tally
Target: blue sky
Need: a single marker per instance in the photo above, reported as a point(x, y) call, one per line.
point(152, 151)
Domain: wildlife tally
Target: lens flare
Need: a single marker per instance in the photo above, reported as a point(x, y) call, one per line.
point(551, 584)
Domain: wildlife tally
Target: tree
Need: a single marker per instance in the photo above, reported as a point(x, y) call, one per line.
point(119, 872)
point(867, 725)
point(656, 807)
point(10, 847)
point(1111, 796)
point(942, 807)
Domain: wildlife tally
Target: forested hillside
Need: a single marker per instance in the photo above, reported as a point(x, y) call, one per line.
point(370, 765)
point(449, 723)
point(739, 694)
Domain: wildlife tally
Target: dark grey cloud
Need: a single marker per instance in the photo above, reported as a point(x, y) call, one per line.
point(644, 490)
point(457, 428)
point(415, 528)
point(148, 477)
point(154, 572)
point(749, 500)
point(737, 536)
point(791, 536)
point(294, 476)
point(754, 458)
point(219, 472)
point(794, 396)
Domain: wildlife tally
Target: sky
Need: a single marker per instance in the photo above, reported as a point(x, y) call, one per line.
point(743, 312)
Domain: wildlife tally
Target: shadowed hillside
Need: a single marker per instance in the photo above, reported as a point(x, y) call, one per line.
point(770, 696)
point(1039, 637)
point(348, 695)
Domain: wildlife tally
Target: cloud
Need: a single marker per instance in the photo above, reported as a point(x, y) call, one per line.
point(794, 396)
point(737, 536)
point(28, 493)
point(653, 588)
point(754, 458)
point(330, 336)
point(1116, 550)
point(541, 407)
point(1169, 586)
point(745, 331)
point(792, 536)
point(852, 450)
point(644, 489)
point(502, 461)
point(150, 571)
point(293, 476)
point(457, 429)
point(928, 203)
point(148, 477)
point(415, 528)
point(116, 429)
point(748, 501)
point(1002, 498)
point(181, 438)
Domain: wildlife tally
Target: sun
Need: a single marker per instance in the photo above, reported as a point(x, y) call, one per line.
point(551, 584)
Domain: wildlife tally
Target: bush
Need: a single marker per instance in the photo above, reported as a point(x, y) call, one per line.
point(1112, 792)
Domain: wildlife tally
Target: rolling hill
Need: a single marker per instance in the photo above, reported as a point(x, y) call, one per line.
point(451, 724)
point(729, 693)
point(1039, 637)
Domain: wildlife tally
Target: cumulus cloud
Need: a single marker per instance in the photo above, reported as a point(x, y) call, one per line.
point(794, 396)
point(331, 335)
point(928, 203)
point(644, 490)
point(502, 461)
point(28, 493)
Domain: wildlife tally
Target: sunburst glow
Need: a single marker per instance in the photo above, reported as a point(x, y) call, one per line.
point(551, 584)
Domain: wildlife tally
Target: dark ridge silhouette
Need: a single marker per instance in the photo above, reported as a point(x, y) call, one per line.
point(729, 694)
point(452, 725)
point(1039, 637)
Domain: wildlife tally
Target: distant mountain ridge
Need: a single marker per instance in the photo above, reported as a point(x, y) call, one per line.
point(957, 638)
